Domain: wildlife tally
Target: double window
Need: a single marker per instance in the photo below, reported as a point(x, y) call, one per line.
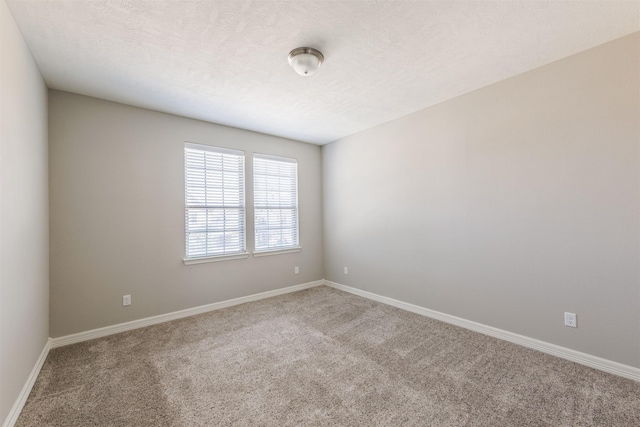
point(215, 203)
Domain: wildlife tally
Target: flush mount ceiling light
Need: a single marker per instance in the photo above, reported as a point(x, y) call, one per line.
point(305, 60)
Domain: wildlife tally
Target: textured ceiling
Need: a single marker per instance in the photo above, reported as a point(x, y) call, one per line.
point(226, 61)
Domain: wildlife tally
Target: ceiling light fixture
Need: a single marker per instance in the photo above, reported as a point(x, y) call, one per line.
point(305, 60)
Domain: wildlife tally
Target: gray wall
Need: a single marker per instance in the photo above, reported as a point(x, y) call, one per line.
point(506, 206)
point(24, 222)
point(117, 215)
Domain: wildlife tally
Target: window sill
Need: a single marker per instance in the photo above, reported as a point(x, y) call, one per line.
point(191, 261)
point(277, 252)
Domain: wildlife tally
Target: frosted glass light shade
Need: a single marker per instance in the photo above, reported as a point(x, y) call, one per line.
point(305, 60)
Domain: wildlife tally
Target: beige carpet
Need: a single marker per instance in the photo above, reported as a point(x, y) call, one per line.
point(319, 357)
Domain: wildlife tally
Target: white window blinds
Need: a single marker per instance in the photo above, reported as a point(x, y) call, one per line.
point(275, 192)
point(214, 201)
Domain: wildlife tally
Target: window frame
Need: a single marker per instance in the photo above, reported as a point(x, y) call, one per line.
point(280, 249)
point(213, 257)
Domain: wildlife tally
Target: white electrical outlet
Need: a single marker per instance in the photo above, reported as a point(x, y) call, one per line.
point(346, 270)
point(126, 300)
point(570, 319)
point(296, 270)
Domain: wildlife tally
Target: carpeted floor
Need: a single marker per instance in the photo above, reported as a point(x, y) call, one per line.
point(319, 357)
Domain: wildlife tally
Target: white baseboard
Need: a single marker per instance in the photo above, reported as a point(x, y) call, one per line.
point(148, 321)
point(14, 413)
point(595, 362)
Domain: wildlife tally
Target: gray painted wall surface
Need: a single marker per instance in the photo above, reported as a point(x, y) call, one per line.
point(507, 206)
point(117, 215)
point(24, 221)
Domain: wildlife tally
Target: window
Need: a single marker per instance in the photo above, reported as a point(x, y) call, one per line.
point(214, 201)
point(275, 192)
